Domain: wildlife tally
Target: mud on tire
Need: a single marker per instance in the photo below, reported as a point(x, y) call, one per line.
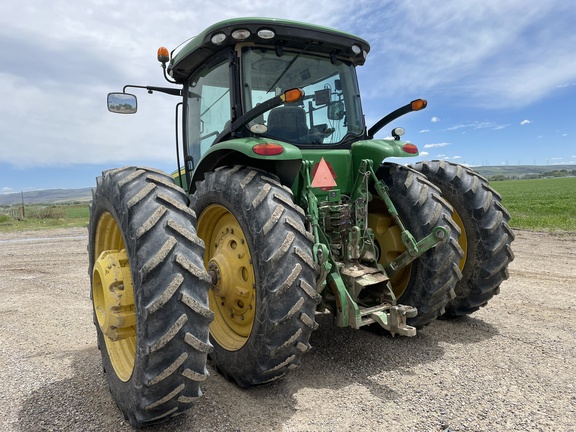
point(486, 236)
point(257, 247)
point(428, 282)
point(152, 319)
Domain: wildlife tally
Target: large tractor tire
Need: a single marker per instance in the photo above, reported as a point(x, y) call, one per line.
point(428, 282)
point(485, 234)
point(149, 292)
point(259, 255)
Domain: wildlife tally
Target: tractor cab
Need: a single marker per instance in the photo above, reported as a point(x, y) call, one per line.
point(234, 69)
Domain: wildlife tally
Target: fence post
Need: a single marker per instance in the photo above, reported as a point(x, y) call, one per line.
point(23, 208)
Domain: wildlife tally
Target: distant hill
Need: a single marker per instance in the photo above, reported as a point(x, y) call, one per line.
point(519, 171)
point(48, 196)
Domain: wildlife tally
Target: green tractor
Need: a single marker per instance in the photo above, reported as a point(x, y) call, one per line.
point(282, 208)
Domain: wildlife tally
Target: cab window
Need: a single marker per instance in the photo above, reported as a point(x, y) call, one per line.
point(209, 105)
point(330, 110)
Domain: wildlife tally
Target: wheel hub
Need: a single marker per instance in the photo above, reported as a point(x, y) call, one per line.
point(388, 237)
point(230, 264)
point(232, 295)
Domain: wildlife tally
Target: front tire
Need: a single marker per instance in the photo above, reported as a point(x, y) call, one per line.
point(259, 254)
point(149, 293)
point(485, 237)
point(428, 282)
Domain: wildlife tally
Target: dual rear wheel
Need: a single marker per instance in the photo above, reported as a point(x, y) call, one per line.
point(456, 277)
point(149, 293)
point(258, 253)
point(428, 282)
point(485, 235)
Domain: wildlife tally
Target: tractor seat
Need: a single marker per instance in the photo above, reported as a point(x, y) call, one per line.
point(288, 123)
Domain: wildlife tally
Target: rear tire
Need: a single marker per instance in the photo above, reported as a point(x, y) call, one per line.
point(149, 292)
point(264, 300)
point(486, 236)
point(428, 282)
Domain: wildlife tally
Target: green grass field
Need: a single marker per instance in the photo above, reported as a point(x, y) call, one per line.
point(539, 204)
point(42, 217)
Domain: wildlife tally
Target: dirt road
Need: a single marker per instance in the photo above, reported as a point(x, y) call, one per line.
point(510, 366)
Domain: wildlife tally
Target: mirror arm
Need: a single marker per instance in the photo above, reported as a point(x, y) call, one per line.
point(415, 105)
point(167, 90)
point(388, 118)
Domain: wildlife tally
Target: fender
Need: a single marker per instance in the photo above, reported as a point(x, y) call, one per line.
point(378, 150)
point(241, 152)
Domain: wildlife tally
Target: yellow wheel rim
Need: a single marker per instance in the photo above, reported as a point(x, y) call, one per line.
point(232, 297)
point(389, 238)
point(113, 296)
point(462, 239)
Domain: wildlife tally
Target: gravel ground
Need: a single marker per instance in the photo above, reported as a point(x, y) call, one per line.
point(509, 366)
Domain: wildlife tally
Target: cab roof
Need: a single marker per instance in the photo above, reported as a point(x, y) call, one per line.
point(287, 34)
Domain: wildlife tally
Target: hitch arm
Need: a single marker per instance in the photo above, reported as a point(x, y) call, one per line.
point(438, 235)
point(407, 238)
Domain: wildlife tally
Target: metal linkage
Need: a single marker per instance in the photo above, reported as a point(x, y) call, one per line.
point(359, 291)
point(320, 250)
point(394, 320)
point(439, 234)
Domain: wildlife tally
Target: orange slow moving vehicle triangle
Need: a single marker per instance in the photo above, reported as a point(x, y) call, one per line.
point(323, 177)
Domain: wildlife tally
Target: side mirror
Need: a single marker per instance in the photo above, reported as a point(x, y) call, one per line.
point(336, 110)
point(122, 103)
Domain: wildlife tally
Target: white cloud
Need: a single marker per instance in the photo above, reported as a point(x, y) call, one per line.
point(480, 52)
point(68, 55)
point(434, 119)
point(525, 122)
point(424, 153)
point(446, 157)
point(436, 145)
point(479, 125)
point(459, 126)
point(425, 130)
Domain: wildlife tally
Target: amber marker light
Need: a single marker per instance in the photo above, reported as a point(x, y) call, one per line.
point(267, 149)
point(292, 95)
point(410, 148)
point(418, 104)
point(163, 55)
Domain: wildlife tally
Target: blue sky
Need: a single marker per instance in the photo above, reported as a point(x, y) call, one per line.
point(499, 77)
